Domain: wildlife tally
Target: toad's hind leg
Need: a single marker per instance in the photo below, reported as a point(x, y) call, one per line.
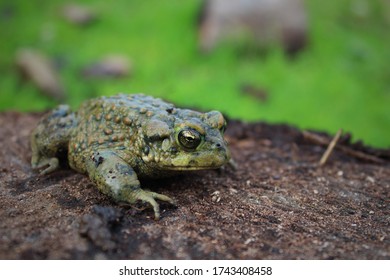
point(51, 137)
point(114, 177)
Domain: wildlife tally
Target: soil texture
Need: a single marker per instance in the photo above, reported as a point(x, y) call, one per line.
point(277, 204)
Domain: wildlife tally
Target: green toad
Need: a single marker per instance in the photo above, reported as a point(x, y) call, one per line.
point(117, 139)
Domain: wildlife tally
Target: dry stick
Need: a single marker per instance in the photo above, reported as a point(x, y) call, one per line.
point(349, 151)
point(330, 148)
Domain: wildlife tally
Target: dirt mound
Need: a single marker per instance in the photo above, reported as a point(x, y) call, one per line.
point(277, 204)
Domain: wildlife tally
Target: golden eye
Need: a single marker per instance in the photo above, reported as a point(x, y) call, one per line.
point(189, 138)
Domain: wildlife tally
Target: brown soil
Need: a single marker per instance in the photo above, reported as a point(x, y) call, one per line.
point(277, 204)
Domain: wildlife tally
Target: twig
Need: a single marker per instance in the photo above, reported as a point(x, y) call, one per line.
point(330, 148)
point(315, 138)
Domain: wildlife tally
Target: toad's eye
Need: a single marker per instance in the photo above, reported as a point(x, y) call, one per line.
point(189, 138)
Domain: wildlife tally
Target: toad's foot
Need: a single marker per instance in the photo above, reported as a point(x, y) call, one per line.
point(51, 163)
point(113, 176)
point(150, 197)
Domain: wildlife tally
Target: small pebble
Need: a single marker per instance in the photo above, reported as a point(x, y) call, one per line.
point(370, 179)
point(215, 196)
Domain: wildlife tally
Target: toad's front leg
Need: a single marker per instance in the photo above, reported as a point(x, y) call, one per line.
point(114, 177)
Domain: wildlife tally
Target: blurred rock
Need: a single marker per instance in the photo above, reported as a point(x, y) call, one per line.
point(112, 66)
point(266, 22)
point(256, 92)
point(78, 14)
point(36, 67)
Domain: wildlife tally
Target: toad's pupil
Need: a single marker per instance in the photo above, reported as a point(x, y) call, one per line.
point(189, 138)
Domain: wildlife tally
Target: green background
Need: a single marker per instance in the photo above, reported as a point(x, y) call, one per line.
point(341, 79)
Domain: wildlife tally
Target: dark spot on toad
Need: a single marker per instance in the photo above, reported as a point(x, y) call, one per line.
point(124, 169)
point(98, 160)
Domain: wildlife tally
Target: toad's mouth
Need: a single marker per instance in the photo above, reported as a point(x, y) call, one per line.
point(189, 168)
point(199, 162)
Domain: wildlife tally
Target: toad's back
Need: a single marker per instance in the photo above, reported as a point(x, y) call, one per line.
point(115, 122)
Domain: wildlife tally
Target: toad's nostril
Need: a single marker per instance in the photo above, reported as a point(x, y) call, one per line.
point(218, 146)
